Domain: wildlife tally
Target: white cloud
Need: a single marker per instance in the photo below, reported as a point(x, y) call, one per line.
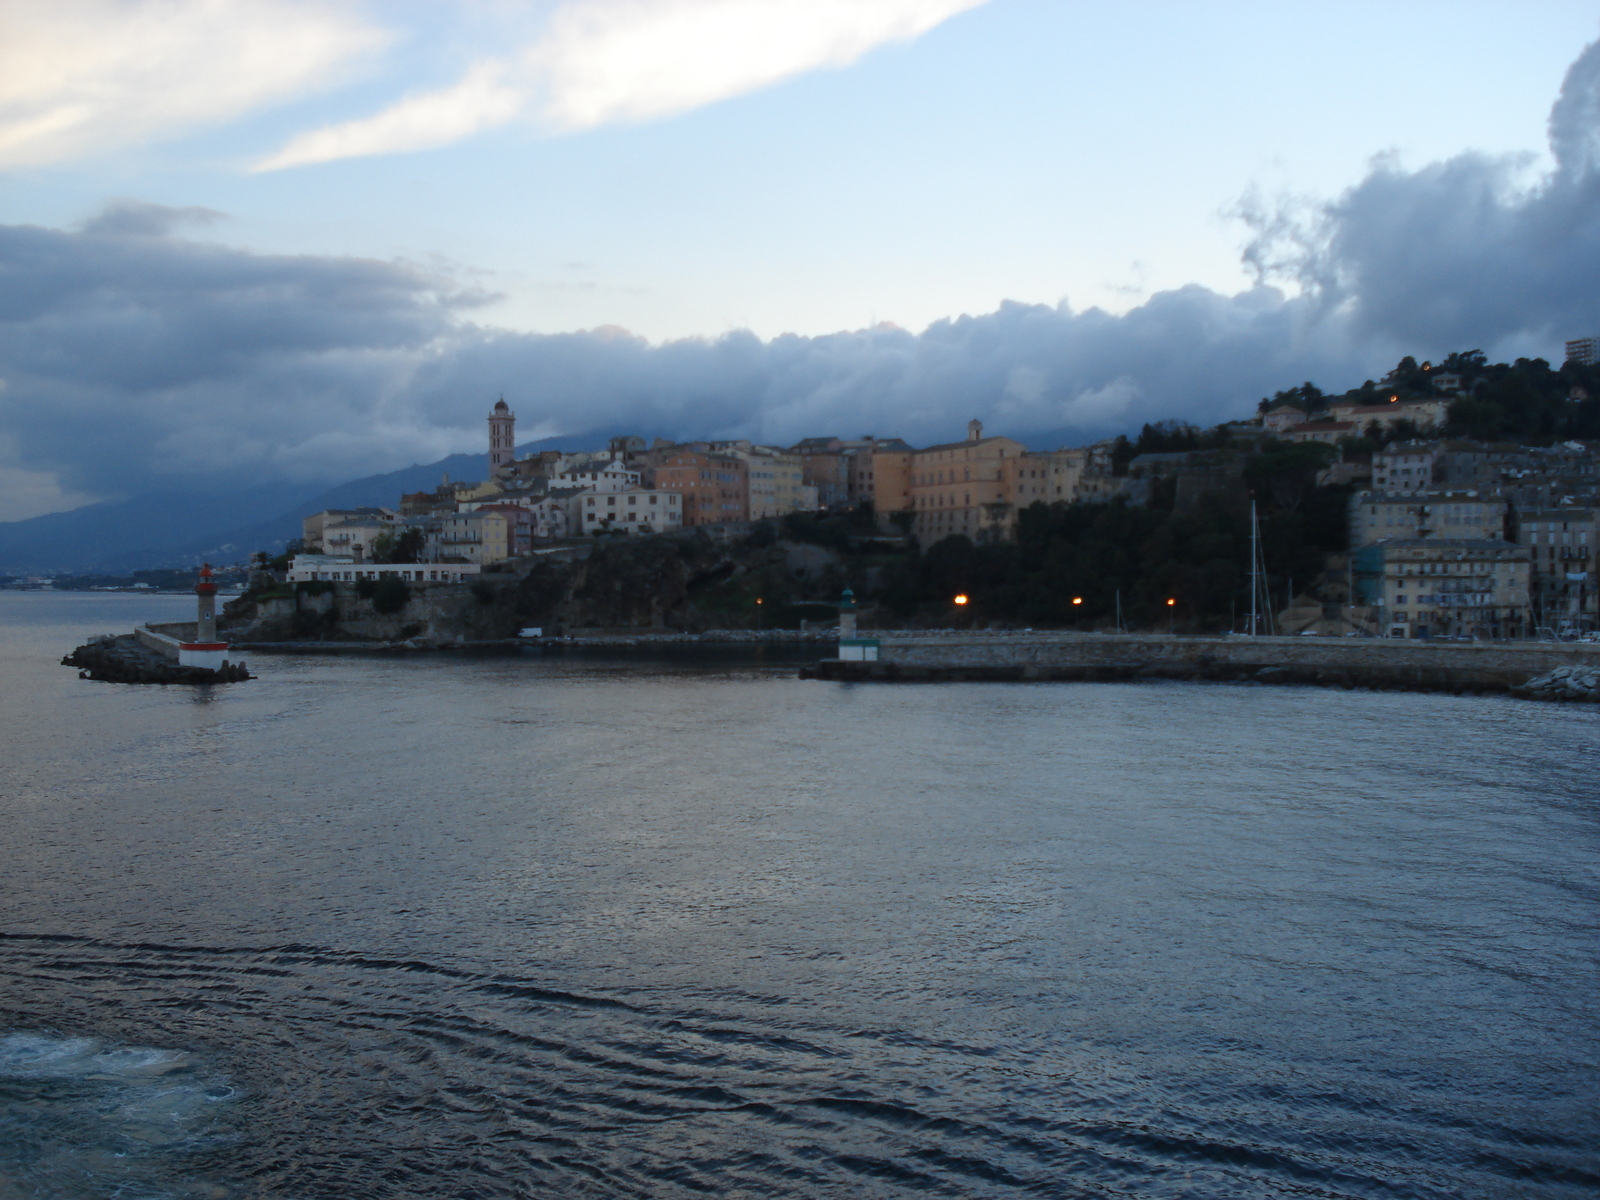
point(418, 122)
point(630, 60)
point(77, 76)
point(600, 61)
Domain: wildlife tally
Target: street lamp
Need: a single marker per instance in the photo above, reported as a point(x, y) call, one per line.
point(758, 614)
point(962, 598)
point(1172, 614)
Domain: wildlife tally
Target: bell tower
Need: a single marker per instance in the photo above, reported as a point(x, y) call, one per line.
point(502, 437)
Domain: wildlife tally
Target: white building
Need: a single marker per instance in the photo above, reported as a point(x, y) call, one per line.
point(333, 568)
point(639, 511)
point(600, 475)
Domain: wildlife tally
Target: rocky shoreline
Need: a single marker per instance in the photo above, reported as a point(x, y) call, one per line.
point(1570, 684)
point(122, 659)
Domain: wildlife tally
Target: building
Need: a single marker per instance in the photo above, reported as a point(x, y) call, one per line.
point(1329, 433)
point(826, 468)
point(1422, 414)
point(1283, 417)
point(966, 487)
point(887, 481)
point(1385, 516)
point(355, 536)
point(335, 568)
point(776, 479)
point(599, 475)
point(1050, 476)
point(312, 527)
point(714, 489)
point(1585, 351)
point(1560, 542)
point(1445, 587)
point(502, 437)
point(520, 527)
point(478, 537)
point(642, 511)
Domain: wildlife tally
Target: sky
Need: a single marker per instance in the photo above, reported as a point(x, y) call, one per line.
point(290, 239)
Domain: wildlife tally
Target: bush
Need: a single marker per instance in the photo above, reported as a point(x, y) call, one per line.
point(482, 592)
point(390, 594)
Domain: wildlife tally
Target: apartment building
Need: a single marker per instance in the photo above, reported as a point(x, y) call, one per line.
point(640, 511)
point(1446, 587)
point(1385, 516)
point(713, 489)
point(966, 487)
point(1560, 542)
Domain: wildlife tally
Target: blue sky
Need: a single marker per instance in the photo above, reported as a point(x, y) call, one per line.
point(688, 169)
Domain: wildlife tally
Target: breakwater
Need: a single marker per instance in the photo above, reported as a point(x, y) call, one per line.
point(1335, 662)
point(138, 658)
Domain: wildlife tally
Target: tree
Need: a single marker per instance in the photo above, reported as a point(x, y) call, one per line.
point(390, 594)
point(1287, 474)
point(403, 547)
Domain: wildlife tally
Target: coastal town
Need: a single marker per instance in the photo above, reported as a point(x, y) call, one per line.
point(1443, 536)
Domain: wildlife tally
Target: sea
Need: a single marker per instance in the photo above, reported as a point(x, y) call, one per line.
point(683, 925)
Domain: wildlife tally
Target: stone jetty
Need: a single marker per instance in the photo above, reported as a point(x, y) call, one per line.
point(126, 659)
point(1499, 667)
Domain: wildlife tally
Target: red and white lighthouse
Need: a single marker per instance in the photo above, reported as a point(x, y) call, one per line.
point(205, 650)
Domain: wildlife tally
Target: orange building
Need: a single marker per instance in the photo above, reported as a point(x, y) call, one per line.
point(715, 487)
point(966, 487)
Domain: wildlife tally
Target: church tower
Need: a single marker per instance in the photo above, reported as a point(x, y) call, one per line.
point(502, 437)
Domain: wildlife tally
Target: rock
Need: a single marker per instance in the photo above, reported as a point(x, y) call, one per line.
point(124, 660)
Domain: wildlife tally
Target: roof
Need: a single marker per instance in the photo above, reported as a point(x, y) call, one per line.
point(1393, 406)
point(967, 445)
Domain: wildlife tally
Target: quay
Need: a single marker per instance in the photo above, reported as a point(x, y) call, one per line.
point(1412, 665)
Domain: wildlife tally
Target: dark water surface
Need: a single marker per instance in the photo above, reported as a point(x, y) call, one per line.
point(584, 927)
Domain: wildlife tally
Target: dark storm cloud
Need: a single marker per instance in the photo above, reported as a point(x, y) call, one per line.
point(135, 359)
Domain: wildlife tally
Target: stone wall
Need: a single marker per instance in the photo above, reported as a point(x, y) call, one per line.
point(1351, 662)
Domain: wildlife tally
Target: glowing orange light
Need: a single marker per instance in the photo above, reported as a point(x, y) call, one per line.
point(758, 599)
point(1077, 599)
point(961, 599)
point(1170, 603)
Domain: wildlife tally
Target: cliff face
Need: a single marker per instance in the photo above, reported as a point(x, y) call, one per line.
point(679, 583)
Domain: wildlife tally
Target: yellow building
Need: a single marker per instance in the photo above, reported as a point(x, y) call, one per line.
point(1050, 476)
point(966, 487)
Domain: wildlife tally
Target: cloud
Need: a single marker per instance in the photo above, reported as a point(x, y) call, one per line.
point(602, 61)
point(137, 360)
point(78, 76)
point(481, 100)
point(1462, 252)
point(139, 218)
point(631, 60)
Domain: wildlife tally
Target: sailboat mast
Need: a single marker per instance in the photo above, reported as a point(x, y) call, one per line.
point(1255, 578)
